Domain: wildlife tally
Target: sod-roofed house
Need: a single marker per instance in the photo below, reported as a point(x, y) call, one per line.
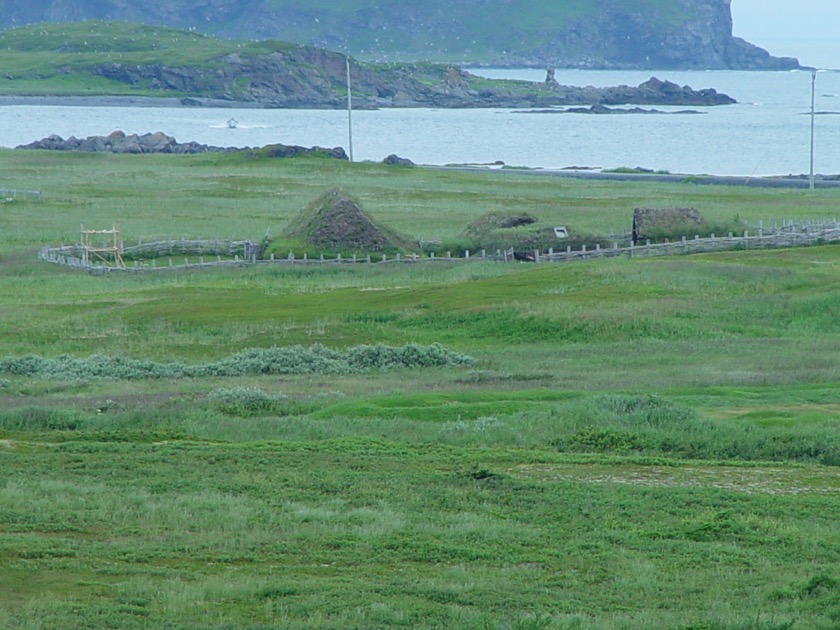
point(658, 224)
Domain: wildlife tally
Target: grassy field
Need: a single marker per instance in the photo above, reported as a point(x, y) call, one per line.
point(634, 444)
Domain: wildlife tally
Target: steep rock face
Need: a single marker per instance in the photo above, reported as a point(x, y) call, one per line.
point(606, 34)
point(624, 35)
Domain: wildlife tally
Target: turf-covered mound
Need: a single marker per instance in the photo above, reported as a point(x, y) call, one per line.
point(659, 223)
point(336, 222)
point(521, 232)
point(489, 222)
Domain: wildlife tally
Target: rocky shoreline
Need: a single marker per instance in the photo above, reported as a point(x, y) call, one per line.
point(101, 100)
point(603, 109)
point(307, 78)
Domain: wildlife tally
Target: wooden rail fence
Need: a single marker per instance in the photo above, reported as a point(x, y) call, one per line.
point(143, 257)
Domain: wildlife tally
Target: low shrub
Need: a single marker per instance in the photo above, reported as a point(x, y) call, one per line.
point(315, 359)
point(247, 401)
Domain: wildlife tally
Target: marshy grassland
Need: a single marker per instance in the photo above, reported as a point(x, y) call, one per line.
point(633, 443)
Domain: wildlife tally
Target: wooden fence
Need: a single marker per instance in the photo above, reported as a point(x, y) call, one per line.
point(12, 194)
point(210, 253)
point(144, 256)
point(787, 236)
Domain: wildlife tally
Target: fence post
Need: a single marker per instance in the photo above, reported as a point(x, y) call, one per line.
point(536, 255)
point(466, 253)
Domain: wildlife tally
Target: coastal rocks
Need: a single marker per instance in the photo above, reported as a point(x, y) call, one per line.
point(396, 160)
point(119, 142)
point(288, 151)
point(652, 92)
point(603, 109)
point(159, 142)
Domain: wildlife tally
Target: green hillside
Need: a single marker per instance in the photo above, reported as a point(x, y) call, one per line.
point(614, 33)
point(70, 50)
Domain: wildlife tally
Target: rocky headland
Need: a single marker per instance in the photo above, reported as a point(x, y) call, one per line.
point(130, 61)
point(310, 78)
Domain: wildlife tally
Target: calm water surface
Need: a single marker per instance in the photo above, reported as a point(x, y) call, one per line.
point(766, 133)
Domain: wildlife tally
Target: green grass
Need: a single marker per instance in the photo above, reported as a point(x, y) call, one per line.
point(638, 443)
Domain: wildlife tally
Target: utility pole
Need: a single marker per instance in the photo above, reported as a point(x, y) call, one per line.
point(813, 92)
point(350, 109)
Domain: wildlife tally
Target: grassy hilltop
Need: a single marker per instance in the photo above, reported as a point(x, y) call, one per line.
point(631, 443)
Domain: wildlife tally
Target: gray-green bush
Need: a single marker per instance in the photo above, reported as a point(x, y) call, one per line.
point(315, 359)
point(247, 401)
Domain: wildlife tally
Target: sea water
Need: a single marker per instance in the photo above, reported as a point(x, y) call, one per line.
point(768, 132)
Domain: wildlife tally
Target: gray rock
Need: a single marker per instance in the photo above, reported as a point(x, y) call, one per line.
point(159, 142)
point(396, 160)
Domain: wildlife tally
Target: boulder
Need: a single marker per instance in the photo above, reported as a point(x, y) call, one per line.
point(396, 160)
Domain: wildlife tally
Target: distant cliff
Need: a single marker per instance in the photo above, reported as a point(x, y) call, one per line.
point(655, 34)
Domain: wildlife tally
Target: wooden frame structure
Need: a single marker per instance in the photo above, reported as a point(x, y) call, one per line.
point(96, 245)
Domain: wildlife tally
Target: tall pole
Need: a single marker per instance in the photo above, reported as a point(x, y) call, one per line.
point(813, 91)
point(349, 109)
